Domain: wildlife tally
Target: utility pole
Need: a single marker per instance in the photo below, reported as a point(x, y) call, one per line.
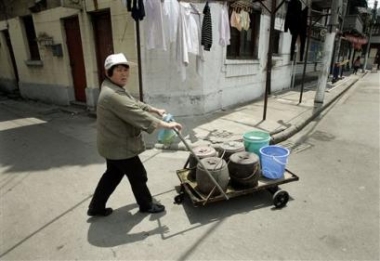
point(374, 14)
point(328, 50)
point(339, 40)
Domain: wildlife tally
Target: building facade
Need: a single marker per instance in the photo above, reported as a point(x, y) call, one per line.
point(53, 51)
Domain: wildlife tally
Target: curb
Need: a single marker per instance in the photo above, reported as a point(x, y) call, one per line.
point(289, 132)
point(277, 136)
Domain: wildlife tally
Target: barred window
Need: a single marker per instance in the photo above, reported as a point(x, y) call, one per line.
point(31, 38)
point(245, 43)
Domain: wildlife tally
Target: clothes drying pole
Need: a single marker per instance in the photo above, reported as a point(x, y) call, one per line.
point(139, 60)
point(272, 12)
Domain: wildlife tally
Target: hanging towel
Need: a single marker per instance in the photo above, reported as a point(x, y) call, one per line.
point(206, 28)
point(244, 20)
point(155, 32)
point(224, 26)
point(235, 20)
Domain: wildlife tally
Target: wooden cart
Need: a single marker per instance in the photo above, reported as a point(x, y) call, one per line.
point(189, 187)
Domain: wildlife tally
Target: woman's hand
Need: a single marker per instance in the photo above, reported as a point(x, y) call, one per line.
point(159, 112)
point(175, 126)
point(170, 125)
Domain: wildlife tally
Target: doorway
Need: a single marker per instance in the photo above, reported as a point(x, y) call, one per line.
point(74, 47)
point(101, 22)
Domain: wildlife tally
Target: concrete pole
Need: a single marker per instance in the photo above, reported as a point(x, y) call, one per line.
point(369, 37)
point(339, 40)
point(328, 51)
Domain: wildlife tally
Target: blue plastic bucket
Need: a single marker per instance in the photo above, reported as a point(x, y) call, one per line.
point(273, 161)
point(255, 140)
point(166, 136)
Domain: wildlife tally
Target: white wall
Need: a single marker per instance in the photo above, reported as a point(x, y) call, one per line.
point(222, 83)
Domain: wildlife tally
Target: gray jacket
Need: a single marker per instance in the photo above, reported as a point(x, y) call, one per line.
point(120, 120)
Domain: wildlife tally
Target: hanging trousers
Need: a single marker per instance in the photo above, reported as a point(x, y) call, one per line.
point(116, 169)
point(302, 45)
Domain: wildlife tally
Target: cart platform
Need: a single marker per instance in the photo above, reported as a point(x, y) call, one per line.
point(189, 187)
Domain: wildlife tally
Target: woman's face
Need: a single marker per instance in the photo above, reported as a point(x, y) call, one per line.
point(120, 75)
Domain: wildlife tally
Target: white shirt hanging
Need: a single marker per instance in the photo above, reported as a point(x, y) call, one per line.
point(188, 36)
point(224, 26)
point(171, 13)
point(154, 31)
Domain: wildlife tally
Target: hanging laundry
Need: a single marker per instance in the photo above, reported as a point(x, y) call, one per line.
point(154, 33)
point(293, 16)
point(138, 11)
point(171, 13)
point(303, 31)
point(292, 22)
point(224, 26)
point(244, 20)
point(188, 36)
point(129, 5)
point(207, 28)
point(235, 20)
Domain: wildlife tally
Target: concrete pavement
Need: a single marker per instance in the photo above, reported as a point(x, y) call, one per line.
point(50, 167)
point(285, 116)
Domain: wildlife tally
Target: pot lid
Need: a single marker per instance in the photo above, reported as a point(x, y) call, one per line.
point(204, 151)
point(232, 146)
point(212, 163)
point(244, 158)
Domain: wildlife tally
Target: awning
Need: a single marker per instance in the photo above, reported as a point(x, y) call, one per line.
point(355, 40)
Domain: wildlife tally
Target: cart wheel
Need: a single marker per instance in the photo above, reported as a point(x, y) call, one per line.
point(179, 198)
point(280, 198)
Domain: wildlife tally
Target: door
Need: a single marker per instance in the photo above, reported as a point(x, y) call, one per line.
point(74, 47)
point(103, 39)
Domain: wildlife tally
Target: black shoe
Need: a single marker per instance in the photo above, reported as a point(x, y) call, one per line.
point(154, 208)
point(99, 212)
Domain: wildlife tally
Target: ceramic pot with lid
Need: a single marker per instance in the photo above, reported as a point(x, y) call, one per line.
point(244, 169)
point(202, 152)
point(217, 167)
point(226, 149)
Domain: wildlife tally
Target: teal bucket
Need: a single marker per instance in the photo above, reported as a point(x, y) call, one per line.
point(255, 140)
point(273, 161)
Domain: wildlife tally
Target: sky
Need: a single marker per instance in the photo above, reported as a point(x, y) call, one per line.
point(371, 3)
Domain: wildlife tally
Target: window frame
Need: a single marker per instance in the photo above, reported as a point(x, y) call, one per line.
point(239, 47)
point(31, 38)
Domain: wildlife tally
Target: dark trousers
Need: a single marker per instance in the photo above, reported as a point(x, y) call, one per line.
point(116, 169)
point(293, 45)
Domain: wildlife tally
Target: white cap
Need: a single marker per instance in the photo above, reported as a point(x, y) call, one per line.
point(115, 59)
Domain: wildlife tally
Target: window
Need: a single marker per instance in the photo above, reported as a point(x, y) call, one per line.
point(244, 44)
point(276, 42)
point(31, 37)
